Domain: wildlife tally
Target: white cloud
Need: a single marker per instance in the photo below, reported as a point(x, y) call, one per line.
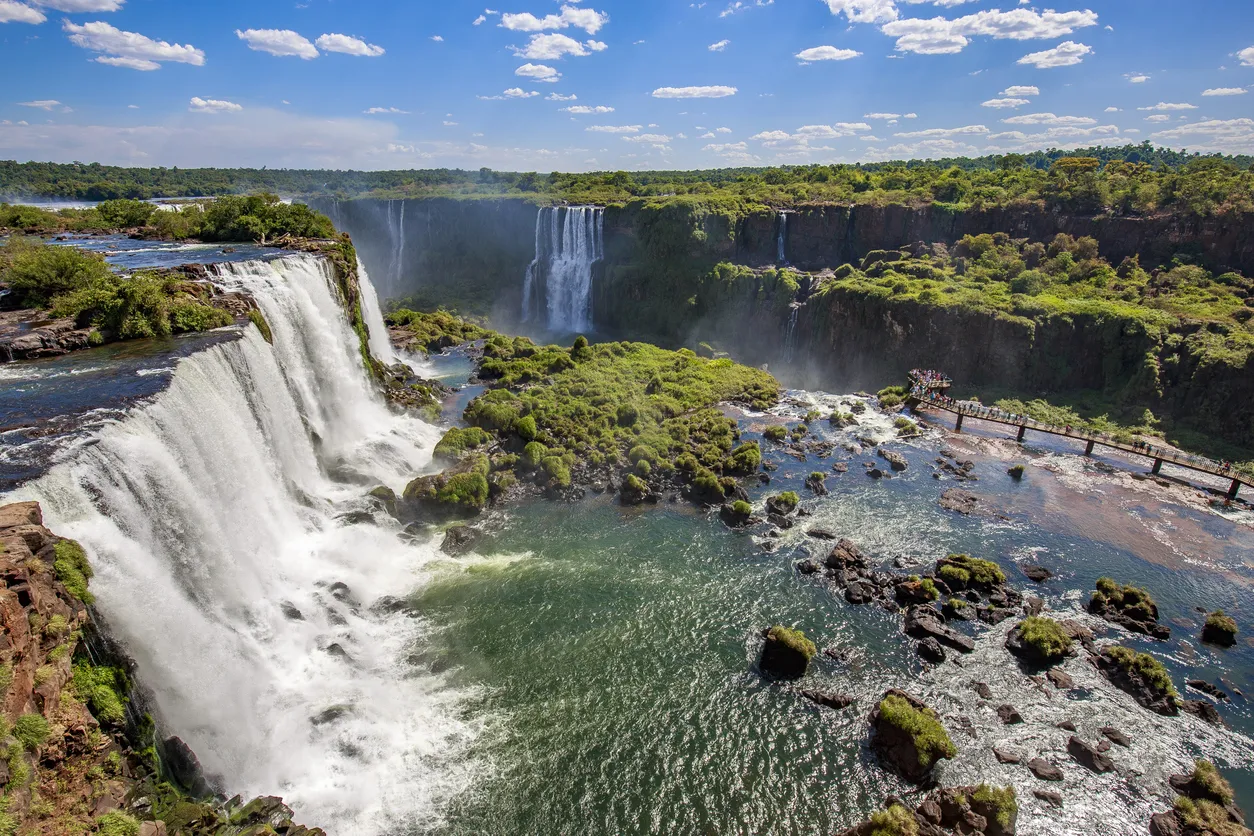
point(938, 35)
point(1048, 119)
point(724, 148)
point(1158, 117)
point(553, 47)
point(1230, 135)
point(742, 5)
point(439, 39)
point(351, 46)
point(479, 20)
point(511, 93)
point(712, 135)
point(655, 139)
point(1170, 106)
point(1247, 56)
point(720, 46)
point(130, 49)
point(377, 110)
point(723, 130)
point(42, 104)
point(826, 53)
point(881, 116)
point(865, 11)
point(538, 72)
point(1113, 109)
point(1136, 78)
point(966, 130)
point(1066, 54)
point(199, 105)
point(1225, 91)
point(281, 42)
point(584, 110)
point(1020, 90)
point(558, 97)
point(449, 124)
point(79, 6)
point(14, 12)
point(1006, 102)
point(613, 129)
point(585, 19)
point(715, 92)
point(911, 116)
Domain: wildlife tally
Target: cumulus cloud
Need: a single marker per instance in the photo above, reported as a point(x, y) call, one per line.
point(570, 16)
point(1066, 54)
point(42, 104)
point(714, 92)
point(881, 116)
point(1170, 106)
point(558, 97)
point(826, 53)
point(1225, 91)
point(1247, 56)
point(377, 110)
point(938, 35)
point(199, 105)
point(1136, 78)
point(479, 20)
point(79, 6)
point(1048, 119)
point(130, 49)
point(966, 130)
point(538, 72)
point(280, 42)
point(584, 110)
point(14, 12)
point(720, 46)
point(511, 93)
point(1228, 135)
point(554, 47)
point(613, 129)
point(1006, 102)
point(439, 39)
point(864, 11)
point(352, 46)
point(1020, 90)
point(1158, 117)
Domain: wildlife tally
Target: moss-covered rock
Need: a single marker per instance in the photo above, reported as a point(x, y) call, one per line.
point(458, 492)
point(1220, 629)
point(908, 736)
point(786, 653)
point(1142, 676)
point(1128, 606)
point(1039, 640)
point(458, 441)
point(962, 571)
point(783, 504)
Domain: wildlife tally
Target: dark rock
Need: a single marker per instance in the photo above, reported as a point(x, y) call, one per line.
point(290, 612)
point(1144, 690)
point(340, 592)
point(925, 622)
point(963, 502)
point(839, 702)
point(983, 690)
point(184, 767)
point(1165, 824)
point(1009, 715)
point(1062, 680)
point(895, 460)
point(1044, 770)
point(859, 593)
point(1103, 745)
point(777, 505)
point(956, 609)
point(1208, 689)
point(785, 654)
point(1203, 710)
point(1006, 756)
point(1067, 725)
point(821, 534)
point(930, 650)
point(331, 714)
point(1037, 574)
point(816, 484)
point(1088, 756)
point(897, 747)
point(809, 566)
point(994, 615)
point(1051, 798)
point(1115, 736)
point(460, 539)
point(338, 652)
point(780, 521)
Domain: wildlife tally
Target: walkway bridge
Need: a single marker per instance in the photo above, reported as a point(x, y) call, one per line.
point(928, 388)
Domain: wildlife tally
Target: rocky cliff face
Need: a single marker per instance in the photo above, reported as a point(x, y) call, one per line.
point(79, 753)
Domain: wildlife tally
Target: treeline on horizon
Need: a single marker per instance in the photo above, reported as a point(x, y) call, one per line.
point(1133, 179)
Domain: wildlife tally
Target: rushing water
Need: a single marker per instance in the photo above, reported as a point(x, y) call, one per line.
point(569, 243)
point(781, 243)
point(214, 515)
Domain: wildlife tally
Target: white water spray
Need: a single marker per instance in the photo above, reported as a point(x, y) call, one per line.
point(781, 243)
point(212, 515)
point(569, 242)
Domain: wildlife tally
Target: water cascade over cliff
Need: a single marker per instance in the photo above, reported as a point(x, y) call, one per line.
point(781, 244)
point(238, 564)
point(558, 283)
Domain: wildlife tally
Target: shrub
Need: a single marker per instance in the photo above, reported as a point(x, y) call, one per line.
point(1204, 816)
point(557, 470)
point(123, 214)
point(891, 396)
point(955, 576)
point(1017, 471)
point(895, 821)
point(1142, 664)
point(117, 824)
point(31, 730)
point(38, 273)
point(1046, 636)
point(1220, 629)
point(775, 432)
point(642, 452)
point(745, 459)
point(929, 736)
point(534, 453)
point(257, 318)
point(72, 569)
point(982, 572)
point(786, 501)
point(929, 589)
point(458, 441)
point(644, 468)
point(580, 350)
point(905, 426)
point(1207, 780)
point(794, 640)
point(103, 689)
point(742, 509)
point(194, 317)
point(1000, 802)
point(465, 489)
point(525, 428)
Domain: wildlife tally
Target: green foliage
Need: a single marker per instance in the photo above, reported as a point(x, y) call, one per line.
point(436, 330)
point(794, 640)
point(786, 501)
point(37, 273)
point(117, 823)
point(1046, 636)
point(1000, 800)
point(261, 217)
point(466, 489)
point(1221, 623)
point(745, 459)
point(1131, 600)
point(892, 396)
point(258, 319)
point(1016, 471)
point(124, 214)
point(31, 730)
point(895, 821)
point(534, 453)
point(980, 572)
point(559, 471)
point(457, 441)
point(930, 738)
point(104, 689)
point(1143, 665)
point(1208, 781)
point(1205, 816)
point(741, 508)
point(775, 432)
point(525, 427)
point(580, 351)
point(929, 589)
point(72, 569)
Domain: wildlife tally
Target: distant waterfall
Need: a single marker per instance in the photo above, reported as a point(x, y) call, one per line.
point(213, 516)
point(396, 228)
point(569, 242)
point(781, 243)
point(790, 335)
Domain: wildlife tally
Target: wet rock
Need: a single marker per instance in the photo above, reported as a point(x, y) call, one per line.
point(1088, 756)
point(963, 502)
point(924, 622)
point(1220, 630)
point(898, 747)
point(337, 651)
point(1202, 710)
point(330, 715)
point(930, 651)
point(1165, 824)
point(385, 497)
point(1051, 798)
point(460, 539)
point(876, 473)
point(828, 699)
point(1066, 725)
point(1115, 736)
point(809, 566)
point(1009, 715)
point(1145, 686)
point(895, 460)
point(1208, 689)
point(734, 517)
point(1006, 756)
point(815, 482)
point(1037, 574)
point(389, 605)
point(184, 766)
point(1044, 770)
point(786, 653)
point(840, 467)
point(994, 615)
point(956, 609)
point(780, 521)
point(781, 505)
point(340, 592)
point(1130, 607)
point(290, 611)
point(821, 534)
point(983, 690)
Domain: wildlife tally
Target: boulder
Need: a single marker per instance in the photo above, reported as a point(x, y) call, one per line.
point(930, 650)
point(908, 736)
point(1115, 736)
point(895, 460)
point(924, 622)
point(1044, 770)
point(828, 699)
point(1202, 710)
point(821, 534)
point(1088, 756)
point(1061, 679)
point(1007, 756)
point(1037, 574)
point(1051, 798)
point(786, 653)
point(184, 767)
point(1009, 715)
point(460, 539)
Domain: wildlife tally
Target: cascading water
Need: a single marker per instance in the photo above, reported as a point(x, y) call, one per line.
point(569, 242)
point(790, 334)
point(781, 243)
point(396, 226)
point(214, 518)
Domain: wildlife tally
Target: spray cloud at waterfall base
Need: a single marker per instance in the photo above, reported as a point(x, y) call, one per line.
point(557, 288)
point(213, 515)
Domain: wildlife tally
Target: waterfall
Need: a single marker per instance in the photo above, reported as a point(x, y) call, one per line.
point(790, 334)
point(398, 244)
point(781, 243)
point(372, 313)
point(569, 242)
point(213, 515)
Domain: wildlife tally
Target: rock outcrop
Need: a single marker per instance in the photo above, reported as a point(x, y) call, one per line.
point(960, 811)
point(908, 737)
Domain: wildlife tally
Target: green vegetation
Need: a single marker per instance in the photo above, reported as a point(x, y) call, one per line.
point(1210, 784)
point(435, 331)
point(895, 821)
point(929, 736)
point(458, 441)
point(257, 318)
point(103, 689)
point(1001, 803)
point(72, 569)
point(117, 824)
point(929, 589)
point(775, 432)
point(892, 396)
point(783, 503)
point(962, 570)
point(1130, 600)
point(1204, 816)
point(1016, 471)
point(31, 730)
point(1220, 629)
point(1144, 666)
point(794, 640)
point(742, 509)
point(1046, 636)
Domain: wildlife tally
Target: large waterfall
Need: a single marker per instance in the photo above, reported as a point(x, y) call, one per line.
point(239, 565)
point(569, 242)
point(781, 242)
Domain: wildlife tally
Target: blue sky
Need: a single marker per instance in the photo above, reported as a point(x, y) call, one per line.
point(609, 84)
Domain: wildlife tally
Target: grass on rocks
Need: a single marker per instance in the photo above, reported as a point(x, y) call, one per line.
point(930, 738)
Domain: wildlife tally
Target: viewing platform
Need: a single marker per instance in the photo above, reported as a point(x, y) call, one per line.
point(922, 396)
